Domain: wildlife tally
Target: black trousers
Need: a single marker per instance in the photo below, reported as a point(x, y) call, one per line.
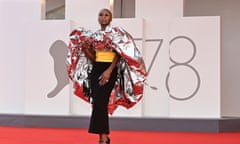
point(99, 122)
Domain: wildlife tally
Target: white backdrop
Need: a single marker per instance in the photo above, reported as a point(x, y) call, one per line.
point(13, 50)
point(46, 82)
point(194, 81)
point(43, 90)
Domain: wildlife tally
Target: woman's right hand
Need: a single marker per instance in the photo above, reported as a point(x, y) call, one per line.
point(86, 44)
point(88, 49)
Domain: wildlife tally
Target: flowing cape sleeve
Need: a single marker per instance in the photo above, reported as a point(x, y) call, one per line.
point(78, 65)
point(131, 68)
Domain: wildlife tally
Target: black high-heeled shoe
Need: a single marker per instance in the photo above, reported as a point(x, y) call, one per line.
point(108, 140)
point(105, 141)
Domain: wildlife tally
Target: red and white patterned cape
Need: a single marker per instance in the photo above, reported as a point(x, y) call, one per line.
point(128, 89)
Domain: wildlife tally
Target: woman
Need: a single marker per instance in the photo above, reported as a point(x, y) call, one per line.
point(107, 68)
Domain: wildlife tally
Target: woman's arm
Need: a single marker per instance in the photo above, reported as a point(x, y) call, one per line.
point(114, 63)
point(88, 50)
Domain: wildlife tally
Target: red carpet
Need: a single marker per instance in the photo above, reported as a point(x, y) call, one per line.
point(12, 135)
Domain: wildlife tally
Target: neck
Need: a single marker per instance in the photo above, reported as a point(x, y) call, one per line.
point(103, 27)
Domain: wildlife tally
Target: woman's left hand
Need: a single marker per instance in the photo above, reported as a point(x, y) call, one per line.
point(104, 78)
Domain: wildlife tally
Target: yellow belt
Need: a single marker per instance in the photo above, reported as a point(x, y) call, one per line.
point(103, 56)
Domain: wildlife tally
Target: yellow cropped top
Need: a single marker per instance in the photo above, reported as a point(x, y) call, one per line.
point(105, 56)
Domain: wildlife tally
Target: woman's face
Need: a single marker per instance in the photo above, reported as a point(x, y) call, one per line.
point(104, 17)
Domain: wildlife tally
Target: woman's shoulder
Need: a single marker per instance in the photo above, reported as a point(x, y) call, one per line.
point(118, 28)
point(81, 31)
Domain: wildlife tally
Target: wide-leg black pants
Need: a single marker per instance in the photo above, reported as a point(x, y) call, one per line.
point(99, 122)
